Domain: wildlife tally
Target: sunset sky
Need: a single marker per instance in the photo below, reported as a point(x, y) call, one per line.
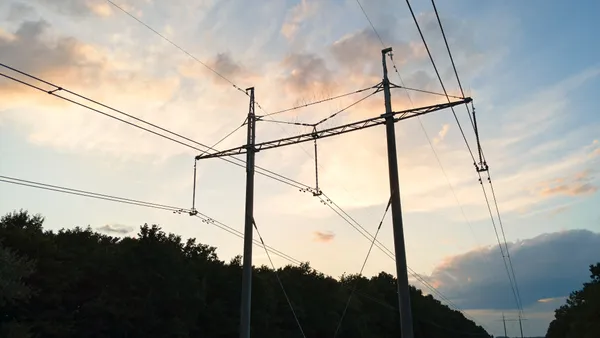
point(531, 67)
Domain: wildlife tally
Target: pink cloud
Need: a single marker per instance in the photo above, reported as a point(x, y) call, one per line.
point(324, 237)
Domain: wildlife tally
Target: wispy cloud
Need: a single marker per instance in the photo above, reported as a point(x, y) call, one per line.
point(324, 237)
point(579, 184)
point(441, 134)
point(552, 300)
point(115, 228)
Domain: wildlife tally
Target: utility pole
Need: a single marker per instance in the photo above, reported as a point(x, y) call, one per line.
point(247, 269)
point(504, 322)
point(406, 324)
point(520, 324)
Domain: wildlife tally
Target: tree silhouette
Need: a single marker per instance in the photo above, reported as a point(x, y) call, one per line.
point(580, 316)
point(79, 283)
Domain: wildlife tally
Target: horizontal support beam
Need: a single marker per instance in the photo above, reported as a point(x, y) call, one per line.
point(398, 116)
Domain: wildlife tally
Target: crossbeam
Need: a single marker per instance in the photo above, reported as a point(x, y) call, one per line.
point(398, 116)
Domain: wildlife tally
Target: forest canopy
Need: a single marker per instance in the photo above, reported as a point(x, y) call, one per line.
point(80, 283)
point(580, 316)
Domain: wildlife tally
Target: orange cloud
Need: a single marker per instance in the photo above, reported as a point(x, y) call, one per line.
point(324, 236)
point(578, 185)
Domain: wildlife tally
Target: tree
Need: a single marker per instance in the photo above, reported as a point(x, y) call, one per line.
point(580, 316)
point(78, 283)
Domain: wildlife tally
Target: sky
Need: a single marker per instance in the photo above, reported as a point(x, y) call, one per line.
point(528, 65)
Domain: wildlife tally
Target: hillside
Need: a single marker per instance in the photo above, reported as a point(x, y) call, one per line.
point(79, 283)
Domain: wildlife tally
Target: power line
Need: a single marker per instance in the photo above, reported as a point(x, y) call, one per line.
point(370, 22)
point(176, 46)
point(57, 88)
point(361, 270)
point(346, 108)
point(318, 102)
point(421, 122)
point(287, 298)
point(365, 233)
point(420, 90)
point(238, 88)
point(433, 289)
point(439, 77)
point(516, 288)
point(32, 184)
point(111, 198)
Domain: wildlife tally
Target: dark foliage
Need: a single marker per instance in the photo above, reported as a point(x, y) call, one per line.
point(580, 317)
point(78, 283)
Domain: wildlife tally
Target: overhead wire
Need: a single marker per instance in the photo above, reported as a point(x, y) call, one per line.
point(418, 90)
point(385, 250)
point(111, 198)
point(345, 108)
point(439, 78)
point(176, 46)
point(287, 298)
point(433, 149)
point(117, 199)
point(56, 88)
point(339, 326)
point(480, 151)
point(403, 86)
point(317, 102)
point(128, 13)
point(82, 193)
point(326, 118)
point(511, 272)
point(189, 54)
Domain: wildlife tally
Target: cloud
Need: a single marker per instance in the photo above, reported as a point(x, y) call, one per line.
point(306, 72)
point(27, 49)
point(19, 11)
point(324, 236)
point(547, 266)
point(115, 228)
point(441, 134)
point(552, 300)
point(296, 16)
point(579, 184)
point(79, 8)
point(223, 64)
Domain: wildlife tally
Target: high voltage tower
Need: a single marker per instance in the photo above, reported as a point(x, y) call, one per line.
point(389, 118)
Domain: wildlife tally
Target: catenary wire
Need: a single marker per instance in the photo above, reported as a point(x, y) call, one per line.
point(481, 150)
point(205, 218)
point(287, 298)
point(238, 88)
point(111, 198)
point(466, 143)
point(318, 102)
point(439, 77)
point(403, 86)
point(338, 327)
point(262, 171)
point(360, 229)
point(516, 287)
point(82, 193)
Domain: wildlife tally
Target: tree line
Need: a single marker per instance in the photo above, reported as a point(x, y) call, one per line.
point(80, 283)
point(580, 316)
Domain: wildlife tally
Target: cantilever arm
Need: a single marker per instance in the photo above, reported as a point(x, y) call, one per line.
point(398, 116)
